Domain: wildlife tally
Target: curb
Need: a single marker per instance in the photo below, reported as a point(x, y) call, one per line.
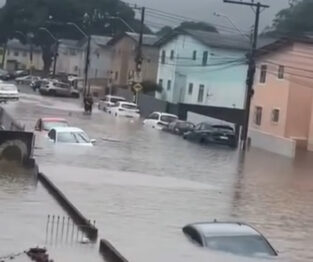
point(76, 215)
point(110, 253)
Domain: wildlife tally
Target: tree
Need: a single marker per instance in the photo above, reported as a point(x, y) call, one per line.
point(294, 20)
point(28, 15)
point(198, 26)
point(164, 31)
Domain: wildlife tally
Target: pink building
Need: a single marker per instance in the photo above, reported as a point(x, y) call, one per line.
point(281, 111)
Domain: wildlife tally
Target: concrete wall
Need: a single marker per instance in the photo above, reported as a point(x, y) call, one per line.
point(275, 144)
point(224, 84)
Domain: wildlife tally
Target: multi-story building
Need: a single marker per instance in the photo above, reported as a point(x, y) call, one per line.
point(18, 56)
point(281, 111)
point(204, 68)
point(123, 54)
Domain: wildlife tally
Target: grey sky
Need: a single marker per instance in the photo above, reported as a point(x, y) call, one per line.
point(243, 16)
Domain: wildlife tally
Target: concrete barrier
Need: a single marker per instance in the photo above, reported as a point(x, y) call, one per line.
point(110, 253)
point(90, 230)
point(279, 145)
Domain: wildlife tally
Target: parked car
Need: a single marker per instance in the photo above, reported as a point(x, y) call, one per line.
point(109, 101)
point(179, 127)
point(46, 123)
point(124, 109)
point(236, 238)
point(20, 73)
point(4, 75)
point(36, 84)
point(56, 88)
point(206, 133)
point(159, 120)
point(26, 80)
point(70, 136)
point(8, 92)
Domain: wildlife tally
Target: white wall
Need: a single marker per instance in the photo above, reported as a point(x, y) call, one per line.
point(100, 62)
point(224, 85)
point(275, 144)
point(23, 58)
point(68, 62)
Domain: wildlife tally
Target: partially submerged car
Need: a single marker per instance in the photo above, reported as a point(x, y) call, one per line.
point(234, 237)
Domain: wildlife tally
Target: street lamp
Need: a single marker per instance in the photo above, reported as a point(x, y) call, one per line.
point(56, 47)
point(232, 23)
point(123, 21)
point(88, 37)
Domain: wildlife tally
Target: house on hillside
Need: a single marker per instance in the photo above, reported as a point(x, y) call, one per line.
point(281, 116)
point(123, 53)
point(203, 68)
point(18, 55)
point(70, 55)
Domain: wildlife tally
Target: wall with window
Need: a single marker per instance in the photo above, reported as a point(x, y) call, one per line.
point(70, 60)
point(219, 83)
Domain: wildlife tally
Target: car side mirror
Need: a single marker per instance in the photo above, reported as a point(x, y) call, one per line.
point(93, 141)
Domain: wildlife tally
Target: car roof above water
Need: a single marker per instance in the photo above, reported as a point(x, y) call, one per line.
point(224, 229)
point(67, 129)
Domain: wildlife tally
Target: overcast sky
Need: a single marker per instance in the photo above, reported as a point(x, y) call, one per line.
point(243, 16)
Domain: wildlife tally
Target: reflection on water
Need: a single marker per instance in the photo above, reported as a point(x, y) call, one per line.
point(142, 186)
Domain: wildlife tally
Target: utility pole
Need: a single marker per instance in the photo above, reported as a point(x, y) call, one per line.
point(251, 67)
point(138, 57)
point(87, 61)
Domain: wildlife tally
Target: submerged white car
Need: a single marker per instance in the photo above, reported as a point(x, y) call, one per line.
point(8, 92)
point(159, 120)
point(108, 101)
point(124, 109)
point(70, 136)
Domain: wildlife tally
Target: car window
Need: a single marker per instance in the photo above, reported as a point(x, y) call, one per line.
point(48, 125)
point(52, 134)
point(67, 137)
point(223, 127)
point(205, 126)
point(193, 235)
point(82, 137)
point(241, 245)
point(154, 116)
point(114, 100)
point(168, 119)
point(129, 106)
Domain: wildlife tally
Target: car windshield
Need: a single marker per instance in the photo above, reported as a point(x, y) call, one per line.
point(73, 137)
point(168, 119)
point(8, 88)
point(130, 106)
point(115, 99)
point(51, 124)
point(240, 245)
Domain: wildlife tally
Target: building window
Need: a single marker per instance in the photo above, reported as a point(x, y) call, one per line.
point(169, 83)
point(201, 93)
point(281, 71)
point(205, 58)
point(275, 115)
point(161, 82)
point(75, 68)
point(172, 55)
point(190, 87)
point(15, 53)
point(258, 115)
point(194, 55)
point(116, 75)
point(24, 53)
point(263, 73)
point(163, 57)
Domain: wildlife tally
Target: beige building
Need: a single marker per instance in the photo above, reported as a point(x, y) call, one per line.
point(18, 56)
point(123, 53)
point(281, 117)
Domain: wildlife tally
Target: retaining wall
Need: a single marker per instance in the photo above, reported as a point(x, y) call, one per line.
point(110, 253)
point(76, 215)
point(275, 144)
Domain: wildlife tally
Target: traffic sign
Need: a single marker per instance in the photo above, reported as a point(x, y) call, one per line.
point(137, 87)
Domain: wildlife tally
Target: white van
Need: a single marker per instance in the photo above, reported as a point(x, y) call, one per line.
point(109, 101)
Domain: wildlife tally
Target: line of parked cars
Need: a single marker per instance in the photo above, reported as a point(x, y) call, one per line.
point(58, 131)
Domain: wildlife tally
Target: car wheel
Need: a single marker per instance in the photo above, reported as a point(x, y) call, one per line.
point(75, 95)
point(52, 93)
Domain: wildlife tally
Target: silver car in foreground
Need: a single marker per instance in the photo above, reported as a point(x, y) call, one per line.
point(8, 92)
point(236, 238)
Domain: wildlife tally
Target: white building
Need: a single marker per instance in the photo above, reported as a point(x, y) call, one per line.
point(17, 56)
point(198, 67)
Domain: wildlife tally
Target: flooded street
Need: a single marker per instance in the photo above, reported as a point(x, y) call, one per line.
point(142, 186)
